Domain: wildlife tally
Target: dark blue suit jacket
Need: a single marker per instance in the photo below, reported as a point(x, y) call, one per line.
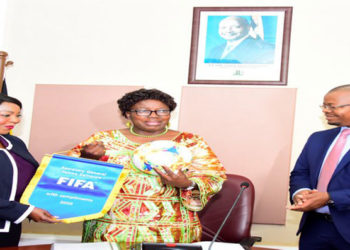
point(10, 210)
point(306, 172)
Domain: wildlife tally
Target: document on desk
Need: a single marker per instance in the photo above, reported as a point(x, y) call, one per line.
point(74, 189)
point(85, 246)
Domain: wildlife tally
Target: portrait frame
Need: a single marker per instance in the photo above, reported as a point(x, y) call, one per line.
point(258, 57)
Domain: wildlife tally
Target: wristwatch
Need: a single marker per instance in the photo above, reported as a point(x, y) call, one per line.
point(330, 202)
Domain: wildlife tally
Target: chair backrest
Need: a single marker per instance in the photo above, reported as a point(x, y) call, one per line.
point(237, 226)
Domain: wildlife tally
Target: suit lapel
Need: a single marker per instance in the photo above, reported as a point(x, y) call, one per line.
point(344, 162)
point(20, 150)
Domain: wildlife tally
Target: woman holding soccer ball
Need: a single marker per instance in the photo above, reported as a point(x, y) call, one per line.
point(172, 175)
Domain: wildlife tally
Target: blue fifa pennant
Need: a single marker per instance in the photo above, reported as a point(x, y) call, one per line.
point(74, 189)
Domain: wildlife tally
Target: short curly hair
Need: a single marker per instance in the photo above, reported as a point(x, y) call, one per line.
point(130, 99)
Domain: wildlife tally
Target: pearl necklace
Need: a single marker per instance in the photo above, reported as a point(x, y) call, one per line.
point(147, 136)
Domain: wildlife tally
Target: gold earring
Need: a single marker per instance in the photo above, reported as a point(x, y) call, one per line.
point(128, 124)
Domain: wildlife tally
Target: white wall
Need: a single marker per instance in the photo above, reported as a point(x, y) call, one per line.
point(139, 42)
point(3, 8)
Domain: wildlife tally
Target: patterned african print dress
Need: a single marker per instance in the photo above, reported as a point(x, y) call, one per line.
point(145, 210)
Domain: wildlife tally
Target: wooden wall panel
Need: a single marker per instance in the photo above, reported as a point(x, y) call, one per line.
point(250, 129)
point(64, 115)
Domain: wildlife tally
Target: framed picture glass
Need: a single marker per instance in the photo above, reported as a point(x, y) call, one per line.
point(240, 45)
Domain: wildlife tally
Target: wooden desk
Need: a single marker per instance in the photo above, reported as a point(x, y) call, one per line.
point(33, 247)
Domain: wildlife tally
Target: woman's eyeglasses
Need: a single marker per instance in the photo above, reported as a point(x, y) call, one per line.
point(145, 112)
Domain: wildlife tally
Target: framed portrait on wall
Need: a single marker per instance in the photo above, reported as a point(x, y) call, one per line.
point(240, 45)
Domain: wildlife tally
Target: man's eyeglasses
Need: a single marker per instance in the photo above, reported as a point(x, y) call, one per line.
point(145, 112)
point(330, 107)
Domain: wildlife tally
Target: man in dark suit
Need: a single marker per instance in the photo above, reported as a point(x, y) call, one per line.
point(320, 180)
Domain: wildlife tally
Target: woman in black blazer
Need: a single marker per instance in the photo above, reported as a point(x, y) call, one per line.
point(17, 167)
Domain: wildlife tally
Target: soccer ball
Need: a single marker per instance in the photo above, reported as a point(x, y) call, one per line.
point(160, 153)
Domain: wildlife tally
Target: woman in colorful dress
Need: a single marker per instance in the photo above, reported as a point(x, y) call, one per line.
point(152, 208)
point(17, 167)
